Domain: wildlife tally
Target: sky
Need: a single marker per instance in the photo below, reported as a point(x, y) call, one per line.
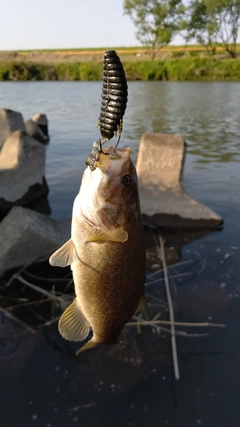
point(56, 24)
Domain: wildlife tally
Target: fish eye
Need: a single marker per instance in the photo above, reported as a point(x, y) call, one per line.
point(127, 180)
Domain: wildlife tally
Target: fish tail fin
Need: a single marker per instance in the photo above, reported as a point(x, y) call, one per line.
point(73, 325)
point(90, 344)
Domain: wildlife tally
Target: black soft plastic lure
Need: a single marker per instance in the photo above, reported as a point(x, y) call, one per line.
point(114, 96)
point(113, 106)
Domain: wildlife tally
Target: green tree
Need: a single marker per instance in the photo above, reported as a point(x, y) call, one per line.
point(200, 25)
point(227, 15)
point(213, 22)
point(157, 21)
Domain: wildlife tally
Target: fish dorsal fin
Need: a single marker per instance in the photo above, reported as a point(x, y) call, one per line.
point(65, 255)
point(73, 326)
point(116, 235)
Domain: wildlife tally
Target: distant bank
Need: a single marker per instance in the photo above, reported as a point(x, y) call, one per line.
point(176, 63)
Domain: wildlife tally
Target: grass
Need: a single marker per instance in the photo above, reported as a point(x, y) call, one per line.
point(185, 69)
point(20, 71)
point(79, 71)
point(181, 65)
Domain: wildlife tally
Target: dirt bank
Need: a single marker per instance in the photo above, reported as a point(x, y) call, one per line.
point(96, 55)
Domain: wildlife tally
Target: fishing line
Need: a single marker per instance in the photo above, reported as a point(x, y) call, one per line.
point(107, 8)
point(114, 101)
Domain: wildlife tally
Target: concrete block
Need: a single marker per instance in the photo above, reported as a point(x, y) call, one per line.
point(25, 236)
point(10, 121)
point(160, 160)
point(22, 171)
point(163, 200)
point(42, 122)
point(33, 130)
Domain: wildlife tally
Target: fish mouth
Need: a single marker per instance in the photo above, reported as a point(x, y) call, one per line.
point(111, 157)
point(116, 153)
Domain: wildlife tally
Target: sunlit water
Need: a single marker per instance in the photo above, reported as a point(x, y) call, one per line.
point(207, 115)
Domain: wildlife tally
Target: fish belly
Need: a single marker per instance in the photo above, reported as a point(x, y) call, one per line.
point(109, 285)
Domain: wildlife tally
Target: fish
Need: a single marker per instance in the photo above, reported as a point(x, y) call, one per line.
point(106, 251)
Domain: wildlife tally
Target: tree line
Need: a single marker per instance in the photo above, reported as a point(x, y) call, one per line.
point(211, 23)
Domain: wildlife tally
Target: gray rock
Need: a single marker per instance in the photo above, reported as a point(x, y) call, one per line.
point(164, 203)
point(42, 122)
point(25, 236)
point(35, 131)
point(10, 121)
point(22, 171)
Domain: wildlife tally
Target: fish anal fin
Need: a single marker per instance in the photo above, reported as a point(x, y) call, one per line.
point(65, 255)
point(116, 235)
point(73, 325)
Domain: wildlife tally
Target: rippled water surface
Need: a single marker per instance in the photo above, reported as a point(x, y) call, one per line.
point(204, 283)
point(207, 115)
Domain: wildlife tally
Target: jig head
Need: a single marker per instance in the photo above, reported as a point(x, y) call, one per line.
point(93, 156)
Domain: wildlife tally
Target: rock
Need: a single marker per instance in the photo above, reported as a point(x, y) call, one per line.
point(22, 171)
point(42, 122)
point(25, 236)
point(10, 121)
point(35, 131)
point(164, 203)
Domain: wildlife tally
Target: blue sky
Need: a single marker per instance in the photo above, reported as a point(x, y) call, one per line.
point(50, 24)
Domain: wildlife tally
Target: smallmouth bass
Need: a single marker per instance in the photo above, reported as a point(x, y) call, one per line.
point(106, 251)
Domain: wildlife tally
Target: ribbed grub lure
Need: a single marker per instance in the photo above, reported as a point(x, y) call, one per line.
point(113, 106)
point(114, 96)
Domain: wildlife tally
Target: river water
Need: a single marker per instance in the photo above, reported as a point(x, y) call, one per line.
point(207, 115)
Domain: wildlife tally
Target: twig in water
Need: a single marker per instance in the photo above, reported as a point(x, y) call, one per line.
point(50, 322)
point(203, 260)
point(24, 267)
point(45, 279)
point(158, 300)
point(171, 312)
point(70, 283)
point(185, 334)
point(60, 300)
point(156, 323)
point(27, 304)
point(167, 322)
point(153, 282)
point(173, 267)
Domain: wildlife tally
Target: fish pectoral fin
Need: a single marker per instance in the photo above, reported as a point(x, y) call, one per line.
point(73, 325)
point(116, 235)
point(65, 255)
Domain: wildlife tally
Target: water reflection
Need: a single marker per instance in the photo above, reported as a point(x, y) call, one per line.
point(205, 114)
